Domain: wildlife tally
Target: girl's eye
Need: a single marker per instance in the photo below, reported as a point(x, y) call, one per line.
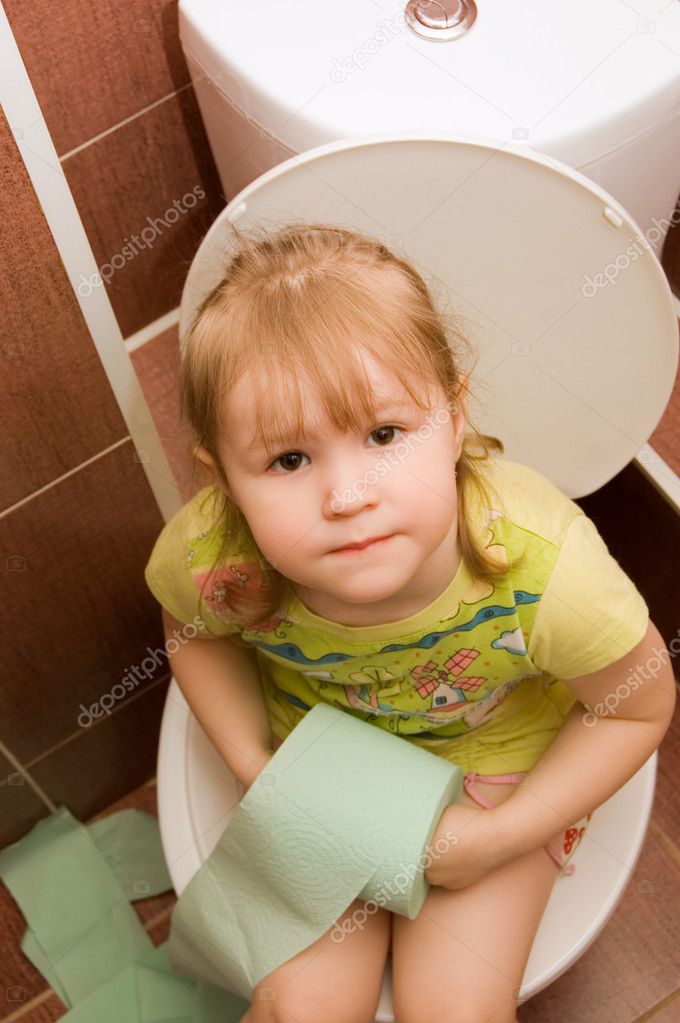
point(287, 459)
point(290, 460)
point(381, 430)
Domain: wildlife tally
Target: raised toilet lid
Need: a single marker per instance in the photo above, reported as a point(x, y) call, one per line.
point(553, 281)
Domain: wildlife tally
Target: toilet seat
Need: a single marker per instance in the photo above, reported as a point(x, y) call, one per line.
point(572, 378)
point(567, 303)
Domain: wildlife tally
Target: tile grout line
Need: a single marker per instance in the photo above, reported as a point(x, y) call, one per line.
point(121, 124)
point(162, 916)
point(650, 1013)
point(666, 843)
point(25, 774)
point(76, 735)
point(65, 476)
point(29, 1006)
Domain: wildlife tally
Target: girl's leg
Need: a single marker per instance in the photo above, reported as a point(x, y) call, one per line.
point(338, 979)
point(464, 956)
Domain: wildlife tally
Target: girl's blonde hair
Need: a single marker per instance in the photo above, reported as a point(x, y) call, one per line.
point(290, 299)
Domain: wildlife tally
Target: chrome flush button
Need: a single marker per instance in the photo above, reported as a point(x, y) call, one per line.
point(440, 20)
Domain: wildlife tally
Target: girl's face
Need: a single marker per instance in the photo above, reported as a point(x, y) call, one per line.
point(394, 478)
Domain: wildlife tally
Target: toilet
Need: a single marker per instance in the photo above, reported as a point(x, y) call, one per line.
point(595, 86)
point(539, 230)
point(575, 370)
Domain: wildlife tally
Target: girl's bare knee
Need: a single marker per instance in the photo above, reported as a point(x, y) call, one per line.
point(298, 1006)
point(478, 1011)
point(337, 978)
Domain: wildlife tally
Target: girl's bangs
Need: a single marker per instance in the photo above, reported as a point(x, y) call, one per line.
point(308, 343)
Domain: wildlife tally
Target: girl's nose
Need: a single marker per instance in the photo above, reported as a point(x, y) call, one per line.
point(348, 491)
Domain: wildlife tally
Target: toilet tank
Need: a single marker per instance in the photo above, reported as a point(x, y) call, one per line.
point(595, 86)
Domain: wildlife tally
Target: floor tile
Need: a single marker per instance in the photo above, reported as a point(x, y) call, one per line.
point(633, 964)
point(21, 986)
point(666, 813)
point(157, 366)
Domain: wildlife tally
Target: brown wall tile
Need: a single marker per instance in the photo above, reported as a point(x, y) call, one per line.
point(666, 437)
point(666, 795)
point(642, 531)
point(126, 184)
point(92, 63)
point(631, 965)
point(77, 612)
point(49, 366)
point(108, 759)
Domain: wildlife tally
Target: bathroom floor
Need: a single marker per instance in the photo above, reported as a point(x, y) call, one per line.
point(630, 974)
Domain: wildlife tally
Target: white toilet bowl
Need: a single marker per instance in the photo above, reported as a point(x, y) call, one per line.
point(197, 795)
point(596, 86)
point(574, 379)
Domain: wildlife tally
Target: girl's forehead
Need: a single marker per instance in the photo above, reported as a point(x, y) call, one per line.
point(264, 394)
point(265, 381)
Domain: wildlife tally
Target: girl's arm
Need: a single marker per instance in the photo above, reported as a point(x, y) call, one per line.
point(221, 682)
point(624, 712)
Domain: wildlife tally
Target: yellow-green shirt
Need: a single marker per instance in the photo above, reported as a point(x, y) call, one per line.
point(475, 676)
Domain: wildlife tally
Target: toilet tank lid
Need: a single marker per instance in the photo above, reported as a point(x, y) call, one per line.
point(572, 80)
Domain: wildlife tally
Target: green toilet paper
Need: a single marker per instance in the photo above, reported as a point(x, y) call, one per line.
point(343, 810)
point(82, 928)
point(65, 876)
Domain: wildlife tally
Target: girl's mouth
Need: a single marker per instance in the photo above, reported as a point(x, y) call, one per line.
point(366, 546)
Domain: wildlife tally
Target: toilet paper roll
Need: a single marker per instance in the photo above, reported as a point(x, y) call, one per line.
point(343, 810)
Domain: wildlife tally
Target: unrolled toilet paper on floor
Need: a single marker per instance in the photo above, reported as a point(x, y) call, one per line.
point(342, 810)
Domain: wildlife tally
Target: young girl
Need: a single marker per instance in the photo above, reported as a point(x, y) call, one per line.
point(358, 546)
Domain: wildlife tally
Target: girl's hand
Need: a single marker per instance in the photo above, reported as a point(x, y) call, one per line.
point(463, 848)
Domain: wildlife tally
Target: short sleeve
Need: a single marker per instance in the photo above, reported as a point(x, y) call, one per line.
point(175, 586)
point(591, 613)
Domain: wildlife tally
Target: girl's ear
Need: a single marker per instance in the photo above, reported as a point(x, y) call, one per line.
point(202, 456)
point(461, 415)
point(208, 463)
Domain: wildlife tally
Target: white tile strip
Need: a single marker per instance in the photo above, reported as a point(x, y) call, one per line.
point(660, 474)
point(152, 330)
point(42, 163)
point(653, 465)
